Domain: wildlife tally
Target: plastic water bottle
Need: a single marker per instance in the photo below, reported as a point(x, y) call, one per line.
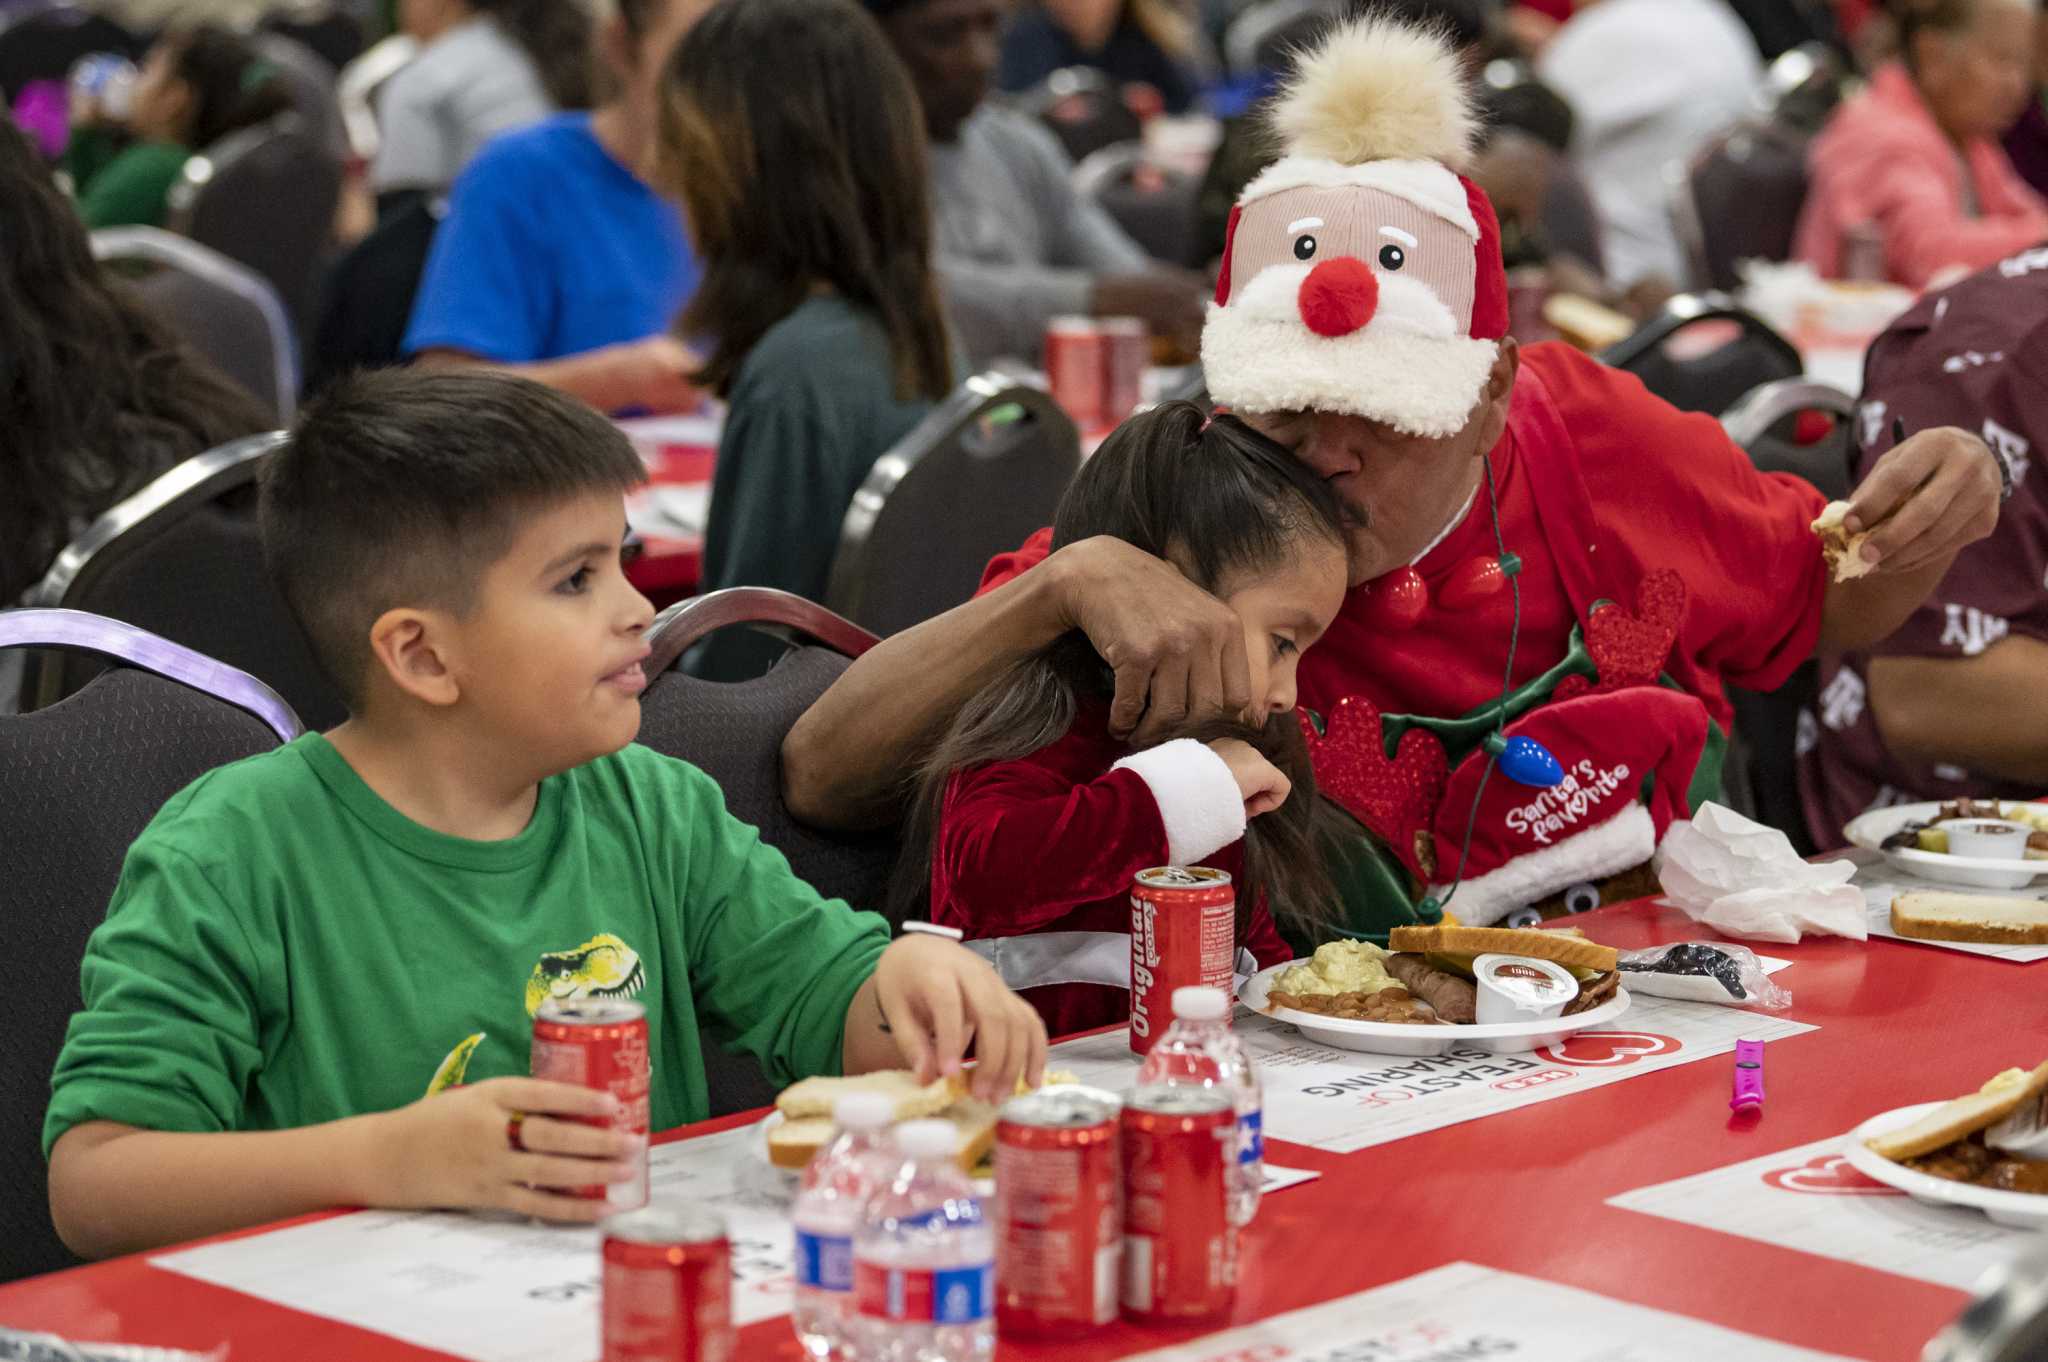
point(1199, 1050)
point(924, 1259)
point(838, 1181)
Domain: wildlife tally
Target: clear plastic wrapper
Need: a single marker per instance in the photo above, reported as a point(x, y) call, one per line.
point(1703, 972)
point(17, 1346)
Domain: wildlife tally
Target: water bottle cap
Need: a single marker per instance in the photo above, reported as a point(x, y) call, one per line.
point(927, 1139)
point(863, 1111)
point(1200, 1003)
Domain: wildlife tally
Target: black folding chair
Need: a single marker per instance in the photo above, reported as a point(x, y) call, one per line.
point(83, 779)
point(1083, 108)
point(1155, 205)
point(224, 310)
point(1715, 379)
point(183, 558)
point(1760, 775)
point(265, 196)
point(1265, 36)
point(976, 477)
point(1739, 199)
point(734, 731)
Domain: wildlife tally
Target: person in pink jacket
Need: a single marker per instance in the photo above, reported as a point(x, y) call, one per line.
point(1915, 157)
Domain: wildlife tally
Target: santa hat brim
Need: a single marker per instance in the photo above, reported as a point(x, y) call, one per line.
point(1421, 385)
point(1620, 843)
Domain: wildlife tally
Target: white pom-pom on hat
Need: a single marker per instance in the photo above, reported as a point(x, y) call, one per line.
point(1378, 89)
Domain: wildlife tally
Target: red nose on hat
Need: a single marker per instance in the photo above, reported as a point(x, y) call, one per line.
point(1339, 296)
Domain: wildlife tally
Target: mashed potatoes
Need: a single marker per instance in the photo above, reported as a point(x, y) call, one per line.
point(1338, 967)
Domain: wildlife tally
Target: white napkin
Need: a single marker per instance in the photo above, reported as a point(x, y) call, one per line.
point(1744, 879)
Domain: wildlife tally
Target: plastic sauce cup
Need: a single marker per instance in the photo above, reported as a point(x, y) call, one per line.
point(1992, 839)
point(1520, 988)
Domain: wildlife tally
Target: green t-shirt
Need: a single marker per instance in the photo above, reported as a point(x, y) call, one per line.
point(123, 186)
point(285, 948)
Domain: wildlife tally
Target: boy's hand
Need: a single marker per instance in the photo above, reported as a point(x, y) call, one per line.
point(938, 997)
point(455, 1149)
point(1262, 784)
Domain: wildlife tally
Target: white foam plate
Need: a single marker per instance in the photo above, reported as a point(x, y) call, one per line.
point(1870, 829)
point(2021, 1210)
point(1394, 1038)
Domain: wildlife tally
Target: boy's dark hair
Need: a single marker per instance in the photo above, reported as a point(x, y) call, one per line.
point(402, 487)
point(1216, 498)
point(233, 86)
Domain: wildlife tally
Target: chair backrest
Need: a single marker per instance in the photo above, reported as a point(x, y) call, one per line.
point(1083, 108)
point(973, 479)
point(734, 732)
point(183, 558)
point(1264, 37)
point(1739, 199)
point(1154, 204)
point(1768, 424)
point(224, 310)
point(40, 41)
point(1716, 378)
point(360, 81)
point(1761, 773)
point(83, 779)
point(328, 31)
point(265, 196)
point(367, 296)
point(1803, 86)
point(313, 85)
point(2008, 1319)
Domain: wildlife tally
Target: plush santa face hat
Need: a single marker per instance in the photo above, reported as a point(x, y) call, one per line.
point(1362, 273)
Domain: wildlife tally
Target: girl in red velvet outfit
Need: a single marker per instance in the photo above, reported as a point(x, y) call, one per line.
point(1034, 818)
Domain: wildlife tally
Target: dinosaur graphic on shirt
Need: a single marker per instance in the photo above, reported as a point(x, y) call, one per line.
point(602, 967)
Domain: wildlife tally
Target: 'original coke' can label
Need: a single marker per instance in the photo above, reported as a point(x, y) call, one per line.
point(600, 1043)
point(1183, 933)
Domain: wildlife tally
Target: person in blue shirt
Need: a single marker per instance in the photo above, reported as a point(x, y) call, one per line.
point(558, 259)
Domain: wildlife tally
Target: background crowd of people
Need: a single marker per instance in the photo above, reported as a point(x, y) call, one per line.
point(823, 219)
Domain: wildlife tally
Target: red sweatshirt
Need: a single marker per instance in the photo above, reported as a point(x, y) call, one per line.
point(1051, 843)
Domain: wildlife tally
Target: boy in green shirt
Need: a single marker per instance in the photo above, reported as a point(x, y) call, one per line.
point(315, 982)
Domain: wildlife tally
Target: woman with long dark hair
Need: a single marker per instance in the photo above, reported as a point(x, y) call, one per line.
point(196, 86)
point(485, 67)
point(99, 397)
point(1031, 817)
point(797, 143)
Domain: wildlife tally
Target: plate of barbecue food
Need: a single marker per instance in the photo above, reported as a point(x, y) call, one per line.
point(1987, 1150)
point(1424, 996)
point(1915, 839)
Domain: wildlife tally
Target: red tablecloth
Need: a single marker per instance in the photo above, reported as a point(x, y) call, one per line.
point(1522, 1191)
point(670, 567)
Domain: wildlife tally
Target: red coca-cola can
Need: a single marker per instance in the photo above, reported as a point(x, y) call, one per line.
point(1076, 364)
point(1180, 1252)
point(1059, 1212)
point(1126, 349)
point(667, 1286)
point(1183, 933)
point(599, 1043)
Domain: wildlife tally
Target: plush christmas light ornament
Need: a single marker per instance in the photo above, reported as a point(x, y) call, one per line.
point(1594, 822)
point(1362, 272)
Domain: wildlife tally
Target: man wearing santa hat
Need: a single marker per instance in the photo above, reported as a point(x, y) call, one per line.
point(1554, 574)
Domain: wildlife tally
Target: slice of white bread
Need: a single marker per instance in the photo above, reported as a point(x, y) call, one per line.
point(1934, 915)
point(914, 1100)
point(1564, 948)
point(804, 1129)
point(1843, 551)
point(1965, 1116)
